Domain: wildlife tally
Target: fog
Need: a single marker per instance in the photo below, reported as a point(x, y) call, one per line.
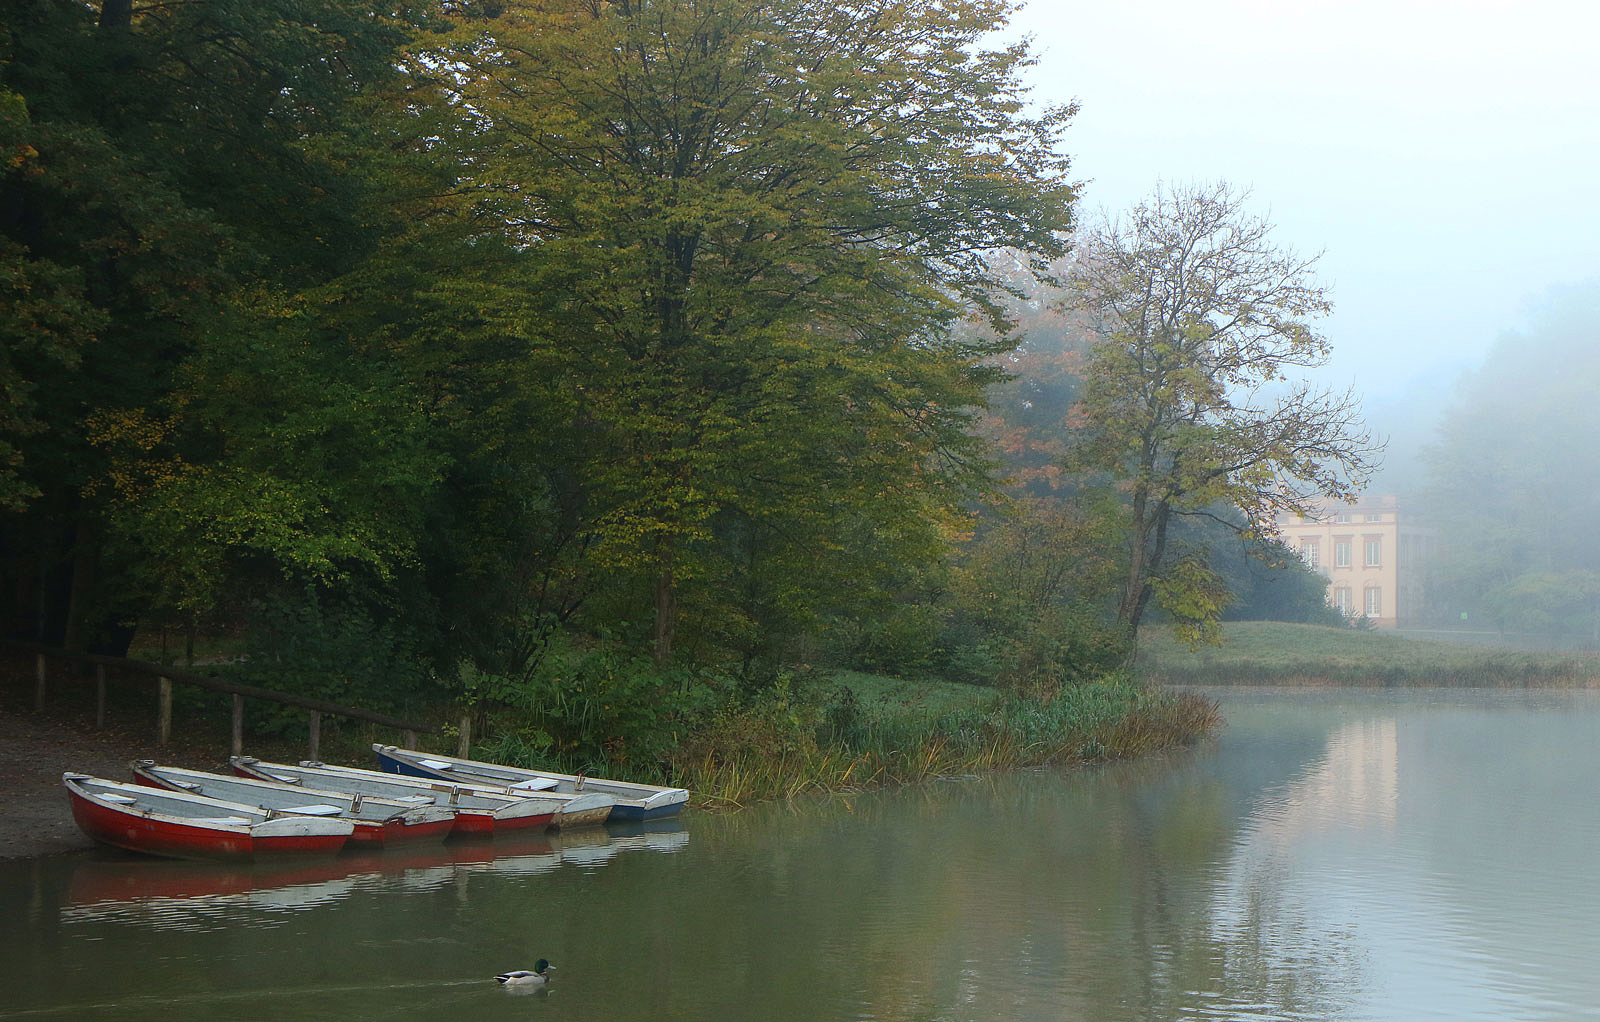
point(1440, 155)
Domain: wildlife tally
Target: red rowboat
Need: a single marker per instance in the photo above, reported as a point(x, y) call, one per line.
point(181, 825)
point(379, 822)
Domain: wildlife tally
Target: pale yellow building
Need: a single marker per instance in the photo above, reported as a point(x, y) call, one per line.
point(1371, 555)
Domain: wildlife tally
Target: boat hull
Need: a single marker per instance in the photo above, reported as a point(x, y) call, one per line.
point(226, 836)
point(566, 820)
point(403, 830)
point(638, 814)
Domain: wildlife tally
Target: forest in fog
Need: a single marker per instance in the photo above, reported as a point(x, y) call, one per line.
point(1510, 477)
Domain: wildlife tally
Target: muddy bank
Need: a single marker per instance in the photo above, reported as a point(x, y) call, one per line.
point(34, 752)
point(37, 748)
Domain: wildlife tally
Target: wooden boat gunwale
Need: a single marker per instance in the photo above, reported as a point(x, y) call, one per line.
point(481, 809)
point(378, 821)
point(635, 801)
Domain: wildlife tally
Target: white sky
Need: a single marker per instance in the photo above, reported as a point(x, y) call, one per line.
point(1443, 154)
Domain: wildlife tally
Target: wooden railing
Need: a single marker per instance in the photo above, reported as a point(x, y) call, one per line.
point(166, 677)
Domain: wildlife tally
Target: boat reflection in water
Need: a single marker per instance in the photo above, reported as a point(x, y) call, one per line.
point(111, 886)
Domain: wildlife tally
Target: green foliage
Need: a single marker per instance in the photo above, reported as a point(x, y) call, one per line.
point(329, 645)
point(752, 265)
point(162, 169)
point(1025, 608)
point(901, 639)
point(1269, 582)
point(1195, 597)
point(597, 708)
point(591, 363)
point(1059, 648)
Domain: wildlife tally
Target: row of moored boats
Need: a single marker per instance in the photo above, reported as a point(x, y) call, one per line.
point(275, 808)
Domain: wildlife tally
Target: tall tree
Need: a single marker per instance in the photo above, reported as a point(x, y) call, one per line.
point(757, 222)
point(171, 173)
point(1199, 318)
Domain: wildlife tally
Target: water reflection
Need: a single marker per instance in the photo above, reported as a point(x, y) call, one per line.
point(111, 886)
point(1289, 944)
point(1391, 878)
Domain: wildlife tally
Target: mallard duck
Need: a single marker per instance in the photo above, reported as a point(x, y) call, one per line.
point(522, 977)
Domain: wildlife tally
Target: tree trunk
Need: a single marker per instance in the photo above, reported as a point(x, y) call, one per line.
point(1130, 606)
point(1144, 561)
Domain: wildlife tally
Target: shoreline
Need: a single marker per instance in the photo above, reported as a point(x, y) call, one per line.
point(37, 748)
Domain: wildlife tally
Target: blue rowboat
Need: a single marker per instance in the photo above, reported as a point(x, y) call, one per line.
point(634, 801)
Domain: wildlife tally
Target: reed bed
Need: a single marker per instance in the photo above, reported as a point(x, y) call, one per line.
point(820, 748)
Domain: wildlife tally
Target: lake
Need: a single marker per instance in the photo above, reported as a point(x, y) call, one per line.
point(1335, 855)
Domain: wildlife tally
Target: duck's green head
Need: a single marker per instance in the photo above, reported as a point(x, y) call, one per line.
point(541, 965)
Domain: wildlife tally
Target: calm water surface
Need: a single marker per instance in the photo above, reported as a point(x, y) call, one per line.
point(1336, 856)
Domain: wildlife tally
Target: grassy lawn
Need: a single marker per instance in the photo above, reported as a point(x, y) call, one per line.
point(1276, 653)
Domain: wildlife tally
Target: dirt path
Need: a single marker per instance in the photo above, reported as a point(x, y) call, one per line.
point(34, 752)
point(37, 748)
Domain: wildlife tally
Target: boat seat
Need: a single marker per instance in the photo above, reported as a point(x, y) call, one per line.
point(314, 810)
point(416, 800)
point(534, 784)
point(227, 821)
point(436, 764)
point(121, 800)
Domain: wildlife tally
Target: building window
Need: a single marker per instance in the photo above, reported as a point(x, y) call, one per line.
point(1341, 599)
point(1342, 516)
point(1374, 602)
point(1374, 517)
point(1341, 553)
point(1310, 552)
point(1374, 551)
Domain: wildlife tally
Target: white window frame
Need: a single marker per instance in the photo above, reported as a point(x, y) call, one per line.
point(1311, 552)
point(1373, 547)
point(1372, 602)
point(1341, 553)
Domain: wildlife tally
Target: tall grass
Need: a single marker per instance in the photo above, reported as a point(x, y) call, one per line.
point(1276, 653)
point(756, 754)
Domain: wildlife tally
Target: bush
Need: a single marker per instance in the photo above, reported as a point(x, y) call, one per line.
point(594, 708)
point(904, 640)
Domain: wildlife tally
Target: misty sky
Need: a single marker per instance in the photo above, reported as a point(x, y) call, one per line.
point(1444, 154)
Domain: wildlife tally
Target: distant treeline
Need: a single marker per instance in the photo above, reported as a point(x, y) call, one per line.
point(1514, 484)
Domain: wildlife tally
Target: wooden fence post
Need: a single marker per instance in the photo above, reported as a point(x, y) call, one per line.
point(38, 687)
point(163, 710)
point(99, 695)
point(316, 735)
point(466, 736)
point(410, 740)
point(238, 724)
